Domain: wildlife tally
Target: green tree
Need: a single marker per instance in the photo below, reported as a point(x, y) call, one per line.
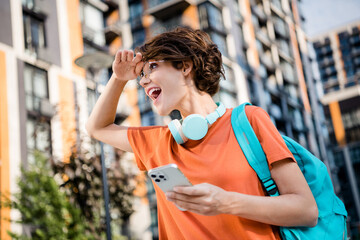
point(46, 211)
point(82, 182)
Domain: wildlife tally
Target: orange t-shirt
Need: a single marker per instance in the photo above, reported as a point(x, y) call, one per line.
point(216, 159)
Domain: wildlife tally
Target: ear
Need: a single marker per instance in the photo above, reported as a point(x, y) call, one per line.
point(187, 67)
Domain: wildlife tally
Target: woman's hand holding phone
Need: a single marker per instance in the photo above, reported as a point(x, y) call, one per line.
point(205, 199)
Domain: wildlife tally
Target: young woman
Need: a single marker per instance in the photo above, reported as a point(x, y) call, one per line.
point(181, 70)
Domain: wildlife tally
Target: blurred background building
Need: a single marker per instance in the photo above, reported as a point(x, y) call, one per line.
point(267, 57)
point(338, 57)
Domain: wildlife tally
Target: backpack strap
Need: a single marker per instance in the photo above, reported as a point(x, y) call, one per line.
point(252, 149)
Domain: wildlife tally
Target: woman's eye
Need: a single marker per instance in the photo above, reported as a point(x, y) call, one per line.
point(142, 74)
point(152, 66)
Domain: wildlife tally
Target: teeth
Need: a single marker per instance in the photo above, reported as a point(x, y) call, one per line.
point(153, 90)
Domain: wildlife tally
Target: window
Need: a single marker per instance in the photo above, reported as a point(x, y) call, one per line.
point(215, 17)
point(138, 38)
point(28, 4)
point(154, 3)
point(288, 72)
point(226, 97)
point(36, 87)
point(92, 22)
point(34, 32)
point(136, 10)
point(38, 137)
point(38, 129)
point(220, 41)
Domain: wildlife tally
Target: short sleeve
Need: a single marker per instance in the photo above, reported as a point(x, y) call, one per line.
point(269, 137)
point(144, 141)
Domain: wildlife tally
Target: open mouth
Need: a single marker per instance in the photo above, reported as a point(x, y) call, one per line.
point(154, 93)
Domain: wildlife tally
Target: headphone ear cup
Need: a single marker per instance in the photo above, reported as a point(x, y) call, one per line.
point(195, 127)
point(176, 131)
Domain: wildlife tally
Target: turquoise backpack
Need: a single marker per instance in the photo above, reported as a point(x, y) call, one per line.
point(332, 214)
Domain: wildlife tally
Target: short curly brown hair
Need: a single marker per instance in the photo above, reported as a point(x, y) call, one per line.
point(183, 44)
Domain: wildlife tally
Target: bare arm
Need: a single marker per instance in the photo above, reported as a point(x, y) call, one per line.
point(295, 206)
point(100, 124)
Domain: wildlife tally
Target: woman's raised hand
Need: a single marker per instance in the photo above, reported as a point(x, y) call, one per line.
point(125, 66)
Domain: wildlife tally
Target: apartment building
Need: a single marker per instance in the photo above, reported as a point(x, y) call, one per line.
point(266, 57)
point(45, 96)
point(338, 59)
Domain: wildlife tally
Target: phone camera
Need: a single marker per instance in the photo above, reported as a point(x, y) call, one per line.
point(153, 175)
point(161, 176)
point(157, 180)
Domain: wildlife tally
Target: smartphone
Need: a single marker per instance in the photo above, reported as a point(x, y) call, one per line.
point(167, 177)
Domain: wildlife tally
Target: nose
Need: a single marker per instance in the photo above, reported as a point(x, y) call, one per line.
point(145, 80)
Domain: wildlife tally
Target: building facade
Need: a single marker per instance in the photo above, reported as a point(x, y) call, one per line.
point(338, 59)
point(46, 98)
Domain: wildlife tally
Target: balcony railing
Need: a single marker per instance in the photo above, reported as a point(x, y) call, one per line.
point(112, 31)
point(259, 12)
point(164, 9)
point(266, 59)
point(262, 35)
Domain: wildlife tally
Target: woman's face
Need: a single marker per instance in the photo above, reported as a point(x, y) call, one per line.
point(166, 86)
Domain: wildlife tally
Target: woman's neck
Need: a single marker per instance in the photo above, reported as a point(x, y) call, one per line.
point(201, 103)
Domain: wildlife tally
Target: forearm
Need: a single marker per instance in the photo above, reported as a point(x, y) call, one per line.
point(104, 111)
point(283, 210)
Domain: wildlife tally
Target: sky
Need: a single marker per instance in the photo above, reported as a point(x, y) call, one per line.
point(324, 15)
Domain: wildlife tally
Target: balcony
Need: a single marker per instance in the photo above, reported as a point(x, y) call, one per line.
point(136, 23)
point(112, 31)
point(271, 85)
point(288, 73)
point(262, 35)
point(355, 40)
point(275, 111)
point(259, 12)
point(267, 61)
point(92, 35)
point(262, 71)
point(164, 9)
point(281, 30)
point(355, 51)
point(324, 62)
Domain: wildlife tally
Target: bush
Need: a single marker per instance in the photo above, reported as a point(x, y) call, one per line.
point(46, 211)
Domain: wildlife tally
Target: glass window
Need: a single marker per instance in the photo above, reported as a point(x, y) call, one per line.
point(220, 41)
point(34, 33)
point(154, 3)
point(227, 98)
point(28, 4)
point(229, 81)
point(215, 17)
point(36, 87)
point(138, 38)
point(136, 9)
point(92, 21)
point(38, 135)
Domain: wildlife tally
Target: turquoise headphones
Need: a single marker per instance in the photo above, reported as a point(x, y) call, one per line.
point(194, 126)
